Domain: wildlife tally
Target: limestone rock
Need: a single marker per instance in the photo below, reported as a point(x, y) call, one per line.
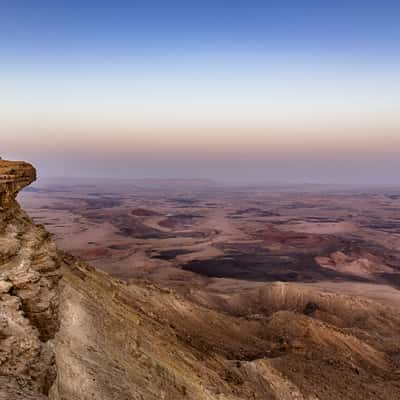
point(5, 286)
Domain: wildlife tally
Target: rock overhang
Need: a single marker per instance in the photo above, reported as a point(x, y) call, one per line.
point(14, 176)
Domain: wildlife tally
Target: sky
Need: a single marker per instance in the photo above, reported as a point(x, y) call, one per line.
point(288, 91)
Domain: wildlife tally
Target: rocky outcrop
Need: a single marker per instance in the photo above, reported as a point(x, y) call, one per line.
point(14, 175)
point(29, 275)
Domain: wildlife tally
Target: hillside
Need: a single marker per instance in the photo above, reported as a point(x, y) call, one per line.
point(69, 332)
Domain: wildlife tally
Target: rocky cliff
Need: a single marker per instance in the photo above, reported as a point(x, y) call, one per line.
point(68, 332)
point(14, 175)
point(29, 275)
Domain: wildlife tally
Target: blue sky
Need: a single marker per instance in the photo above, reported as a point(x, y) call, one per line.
point(61, 28)
point(218, 80)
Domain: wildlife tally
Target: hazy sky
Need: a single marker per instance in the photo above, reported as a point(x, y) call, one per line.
point(261, 90)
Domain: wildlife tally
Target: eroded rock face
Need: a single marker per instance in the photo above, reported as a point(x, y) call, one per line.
point(29, 275)
point(14, 175)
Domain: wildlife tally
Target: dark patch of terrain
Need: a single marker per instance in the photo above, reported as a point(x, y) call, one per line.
point(102, 202)
point(80, 205)
point(211, 205)
point(183, 201)
point(254, 211)
point(386, 226)
point(132, 227)
point(118, 247)
point(266, 267)
point(301, 242)
point(170, 254)
point(392, 279)
point(180, 221)
point(144, 212)
point(330, 220)
point(54, 189)
point(299, 204)
point(393, 196)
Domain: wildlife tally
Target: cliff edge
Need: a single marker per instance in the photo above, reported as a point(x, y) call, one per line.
point(29, 275)
point(14, 176)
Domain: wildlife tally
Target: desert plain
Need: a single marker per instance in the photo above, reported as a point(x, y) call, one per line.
point(208, 239)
